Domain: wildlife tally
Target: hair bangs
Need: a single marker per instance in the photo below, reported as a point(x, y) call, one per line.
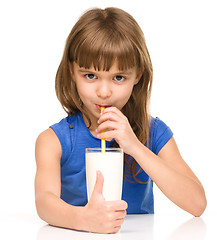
point(103, 49)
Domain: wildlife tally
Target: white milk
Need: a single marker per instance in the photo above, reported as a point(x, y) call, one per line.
point(110, 164)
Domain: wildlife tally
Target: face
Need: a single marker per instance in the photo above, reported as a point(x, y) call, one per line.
point(103, 88)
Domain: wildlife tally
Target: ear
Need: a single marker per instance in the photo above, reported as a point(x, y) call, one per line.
point(138, 77)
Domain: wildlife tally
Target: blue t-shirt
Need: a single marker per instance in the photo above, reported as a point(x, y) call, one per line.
point(74, 137)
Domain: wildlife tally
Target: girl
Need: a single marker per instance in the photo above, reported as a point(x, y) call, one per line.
point(106, 63)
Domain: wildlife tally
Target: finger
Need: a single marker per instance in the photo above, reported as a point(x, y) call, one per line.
point(113, 114)
point(109, 116)
point(109, 125)
point(120, 214)
point(112, 109)
point(116, 229)
point(109, 135)
point(119, 205)
point(119, 222)
point(98, 188)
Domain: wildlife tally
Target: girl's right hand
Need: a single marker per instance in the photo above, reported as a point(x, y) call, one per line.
point(102, 216)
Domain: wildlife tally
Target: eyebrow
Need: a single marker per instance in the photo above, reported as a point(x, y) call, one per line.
point(117, 73)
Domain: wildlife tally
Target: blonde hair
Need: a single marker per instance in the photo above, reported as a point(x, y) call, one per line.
point(100, 37)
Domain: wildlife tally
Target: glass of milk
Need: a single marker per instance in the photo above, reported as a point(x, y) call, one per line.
point(110, 163)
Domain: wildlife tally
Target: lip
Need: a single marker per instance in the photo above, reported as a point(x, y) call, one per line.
point(99, 106)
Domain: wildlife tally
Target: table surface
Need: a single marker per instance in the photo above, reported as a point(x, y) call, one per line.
point(150, 227)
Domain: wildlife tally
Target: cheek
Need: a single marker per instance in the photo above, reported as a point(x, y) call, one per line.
point(128, 90)
point(124, 95)
point(84, 92)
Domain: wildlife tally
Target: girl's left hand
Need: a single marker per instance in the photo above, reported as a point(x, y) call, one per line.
point(116, 125)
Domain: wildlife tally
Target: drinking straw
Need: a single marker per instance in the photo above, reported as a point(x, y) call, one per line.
point(103, 144)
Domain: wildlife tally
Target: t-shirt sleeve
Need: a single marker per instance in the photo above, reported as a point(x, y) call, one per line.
point(161, 134)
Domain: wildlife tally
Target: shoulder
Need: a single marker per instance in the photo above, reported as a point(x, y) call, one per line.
point(47, 144)
point(158, 127)
point(62, 134)
point(65, 124)
point(47, 136)
point(63, 128)
point(160, 134)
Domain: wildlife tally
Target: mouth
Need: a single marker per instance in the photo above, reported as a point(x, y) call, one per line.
point(99, 106)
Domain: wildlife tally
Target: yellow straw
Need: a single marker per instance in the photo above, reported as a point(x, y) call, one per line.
point(103, 145)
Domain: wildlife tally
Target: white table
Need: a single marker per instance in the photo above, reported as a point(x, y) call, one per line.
point(135, 227)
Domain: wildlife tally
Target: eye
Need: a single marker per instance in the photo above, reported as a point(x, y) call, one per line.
point(90, 76)
point(119, 78)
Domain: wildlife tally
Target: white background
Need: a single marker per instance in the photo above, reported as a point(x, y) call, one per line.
point(181, 38)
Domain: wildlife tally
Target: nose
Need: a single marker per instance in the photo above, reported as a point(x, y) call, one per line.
point(104, 90)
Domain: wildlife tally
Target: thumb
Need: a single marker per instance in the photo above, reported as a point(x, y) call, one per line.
point(98, 188)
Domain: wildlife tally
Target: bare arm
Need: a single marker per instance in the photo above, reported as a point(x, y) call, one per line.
point(167, 169)
point(97, 216)
point(173, 176)
point(49, 206)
